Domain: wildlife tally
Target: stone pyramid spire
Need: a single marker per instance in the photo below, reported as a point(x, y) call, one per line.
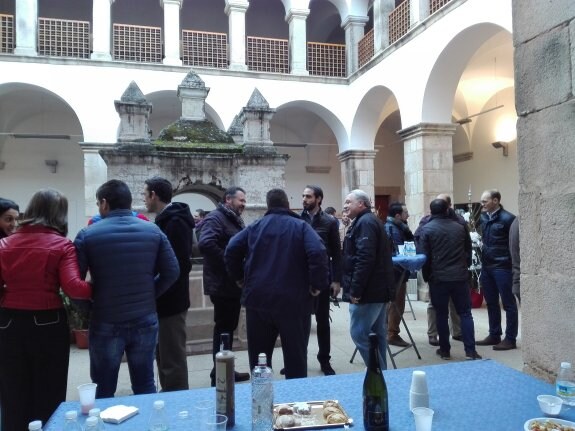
point(192, 93)
point(134, 111)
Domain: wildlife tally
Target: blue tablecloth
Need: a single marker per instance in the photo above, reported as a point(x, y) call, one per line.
point(466, 396)
point(409, 263)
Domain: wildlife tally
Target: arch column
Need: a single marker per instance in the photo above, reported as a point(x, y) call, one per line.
point(26, 27)
point(418, 11)
point(172, 31)
point(296, 18)
point(353, 26)
point(236, 11)
point(428, 165)
point(381, 11)
point(357, 171)
point(101, 29)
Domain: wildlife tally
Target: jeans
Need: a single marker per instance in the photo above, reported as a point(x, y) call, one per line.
point(458, 292)
point(109, 341)
point(497, 282)
point(366, 318)
point(226, 318)
point(395, 313)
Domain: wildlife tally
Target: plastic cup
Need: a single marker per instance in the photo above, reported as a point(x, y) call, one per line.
point(423, 417)
point(203, 409)
point(419, 382)
point(215, 423)
point(87, 394)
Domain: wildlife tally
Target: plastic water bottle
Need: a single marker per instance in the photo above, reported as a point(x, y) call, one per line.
point(96, 413)
point(158, 419)
point(91, 424)
point(71, 423)
point(35, 426)
point(565, 384)
point(183, 422)
point(262, 396)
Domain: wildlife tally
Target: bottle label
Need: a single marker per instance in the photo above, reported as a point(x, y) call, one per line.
point(221, 386)
point(376, 416)
point(565, 389)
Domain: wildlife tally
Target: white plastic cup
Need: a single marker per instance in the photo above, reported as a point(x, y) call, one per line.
point(418, 400)
point(419, 382)
point(423, 418)
point(87, 394)
point(215, 423)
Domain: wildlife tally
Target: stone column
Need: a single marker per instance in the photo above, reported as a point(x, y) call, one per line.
point(172, 31)
point(353, 26)
point(418, 11)
point(95, 174)
point(381, 11)
point(428, 162)
point(296, 18)
point(101, 29)
point(255, 118)
point(236, 11)
point(192, 92)
point(26, 27)
point(357, 172)
point(134, 111)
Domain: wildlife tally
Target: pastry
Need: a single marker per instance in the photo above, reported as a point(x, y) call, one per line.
point(330, 410)
point(285, 421)
point(285, 409)
point(336, 418)
point(330, 403)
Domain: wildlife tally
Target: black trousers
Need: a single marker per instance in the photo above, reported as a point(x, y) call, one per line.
point(322, 329)
point(226, 318)
point(35, 351)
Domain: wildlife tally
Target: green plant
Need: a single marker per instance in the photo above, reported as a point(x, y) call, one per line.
point(78, 317)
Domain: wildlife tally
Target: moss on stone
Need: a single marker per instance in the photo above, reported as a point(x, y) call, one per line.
point(188, 131)
point(198, 147)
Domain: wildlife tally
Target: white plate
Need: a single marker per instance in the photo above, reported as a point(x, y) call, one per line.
point(543, 420)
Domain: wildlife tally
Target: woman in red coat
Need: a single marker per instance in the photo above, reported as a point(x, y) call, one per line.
point(34, 337)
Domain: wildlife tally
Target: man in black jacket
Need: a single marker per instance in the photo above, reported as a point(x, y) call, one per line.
point(218, 227)
point(367, 277)
point(327, 228)
point(447, 245)
point(176, 221)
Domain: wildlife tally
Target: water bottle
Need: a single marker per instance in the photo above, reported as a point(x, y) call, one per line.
point(225, 381)
point(565, 384)
point(91, 424)
point(158, 419)
point(35, 426)
point(96, 413)
point(262, 396)
point(71, 423)
point(183, 421)
point(375, 407)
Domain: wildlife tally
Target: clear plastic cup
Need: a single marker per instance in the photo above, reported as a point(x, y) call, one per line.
point(87, 394)
point(423, 418)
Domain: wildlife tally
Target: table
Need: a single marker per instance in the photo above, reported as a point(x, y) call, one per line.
point(468, 395)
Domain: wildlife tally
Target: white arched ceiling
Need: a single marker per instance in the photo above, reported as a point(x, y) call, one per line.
point(448, 69)
point(377, 104)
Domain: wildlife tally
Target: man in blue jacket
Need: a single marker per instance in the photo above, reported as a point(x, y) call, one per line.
point(282, 264)
point(131, 263)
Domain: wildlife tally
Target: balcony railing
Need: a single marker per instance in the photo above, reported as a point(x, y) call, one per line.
point(63, 38)
point(326, 59)
point(435, 5)
point(399, 21)
point(200, 48)
point(137, 43)
point(365, 48)
point(6, 34)
point(267, 55)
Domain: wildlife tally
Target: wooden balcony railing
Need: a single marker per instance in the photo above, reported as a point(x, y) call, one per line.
point(365, 48)
point(435, 5)
point(200, 48)
point(267, 55)
point(137, 43)
point(6, 34)
point(326, 59)
point(63, 38)
point(399, 21)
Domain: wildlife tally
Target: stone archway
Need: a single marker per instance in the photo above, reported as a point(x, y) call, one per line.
point(213, 192)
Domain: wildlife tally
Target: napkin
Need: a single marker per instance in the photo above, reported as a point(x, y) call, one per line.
point(118, 414)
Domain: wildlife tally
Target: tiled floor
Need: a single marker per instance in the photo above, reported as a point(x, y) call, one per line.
point(342, 349)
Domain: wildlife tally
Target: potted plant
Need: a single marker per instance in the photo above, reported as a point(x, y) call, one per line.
point(78, 320)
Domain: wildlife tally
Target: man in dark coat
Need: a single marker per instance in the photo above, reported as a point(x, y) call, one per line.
point(447, 246)
point(367, 279)
point(176, 221)
point(218, 227)
point(281, 263)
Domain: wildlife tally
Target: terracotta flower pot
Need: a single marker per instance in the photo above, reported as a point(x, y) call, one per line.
point(81, 336)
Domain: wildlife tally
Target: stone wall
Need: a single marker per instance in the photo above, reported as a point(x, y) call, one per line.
point(544, 39)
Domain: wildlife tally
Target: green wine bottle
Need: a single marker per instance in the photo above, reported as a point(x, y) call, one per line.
point(375, 409)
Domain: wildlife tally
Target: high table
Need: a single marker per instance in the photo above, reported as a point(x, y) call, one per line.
point(466, 396)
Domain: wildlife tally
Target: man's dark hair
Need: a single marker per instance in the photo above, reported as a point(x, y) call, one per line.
point(7, 204)
point(231, 192)
point(438, 207)
point(161, 187)
point(201, 212)
point(395, 208)
point(330, 210)
point(117, 194)
point(317, 191)
point(277, 198)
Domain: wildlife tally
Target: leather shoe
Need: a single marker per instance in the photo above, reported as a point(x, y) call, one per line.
point(471, 356)
point(505, 345)
point(327, 369)
point(396, 340)
point(443, 355)
point(433, 340)
point(457, 338)
point(241, 377)
point(488, 341)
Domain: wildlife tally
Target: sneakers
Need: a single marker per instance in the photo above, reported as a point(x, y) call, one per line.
point(396, 340)
point(488, 341)
point(505, 345)
point(471, 356)
point(433, 340)
point(327, 369)
point(443, 355)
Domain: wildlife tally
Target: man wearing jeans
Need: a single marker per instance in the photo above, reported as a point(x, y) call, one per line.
point(367, 278)
point(131, 263)
point(496, 273)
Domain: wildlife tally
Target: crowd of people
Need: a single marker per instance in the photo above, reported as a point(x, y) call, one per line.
point(133, 276)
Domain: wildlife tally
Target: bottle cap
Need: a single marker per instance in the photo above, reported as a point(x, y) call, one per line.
point(262, 359)
point(91, 422)
point(94, 412)
point(183, 414)
point(71, 414)
point(565, 364)
point(158, 404)
point(35, 425)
